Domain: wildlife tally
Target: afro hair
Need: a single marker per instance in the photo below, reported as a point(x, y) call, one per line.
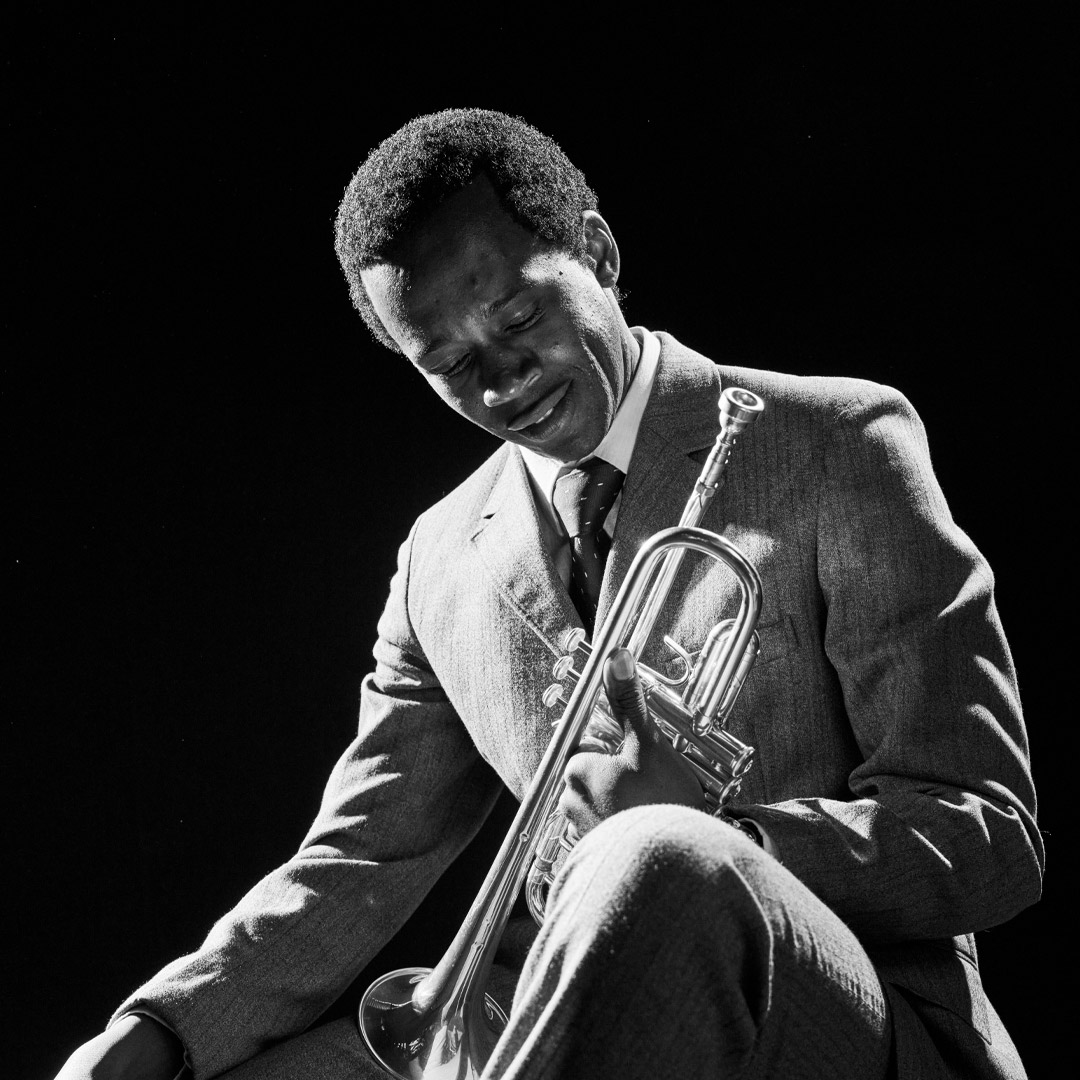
point(409, 174)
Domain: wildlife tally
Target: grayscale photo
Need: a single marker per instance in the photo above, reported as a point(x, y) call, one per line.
point(525, 545)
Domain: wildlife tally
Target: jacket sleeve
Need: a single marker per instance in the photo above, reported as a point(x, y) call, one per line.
point(939, 835)
point(402, 802)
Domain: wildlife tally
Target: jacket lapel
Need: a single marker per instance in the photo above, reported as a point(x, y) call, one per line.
point(510, 545)
point(680, 420)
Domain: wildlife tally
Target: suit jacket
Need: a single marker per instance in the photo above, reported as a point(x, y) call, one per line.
point(891, 770)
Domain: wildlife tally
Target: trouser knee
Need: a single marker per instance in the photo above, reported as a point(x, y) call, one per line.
point(668, 895)
point(663, 853)
point(654, 872)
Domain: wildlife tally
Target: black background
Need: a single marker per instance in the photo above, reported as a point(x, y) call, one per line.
point(211, 464)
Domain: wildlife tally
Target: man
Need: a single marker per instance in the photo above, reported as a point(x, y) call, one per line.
point(890, 813)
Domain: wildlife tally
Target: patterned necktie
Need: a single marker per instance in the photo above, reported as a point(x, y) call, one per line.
point(582, 498)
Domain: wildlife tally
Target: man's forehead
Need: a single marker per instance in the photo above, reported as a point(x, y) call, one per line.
point(387, 286)
point(474, 279)
point(412, 292)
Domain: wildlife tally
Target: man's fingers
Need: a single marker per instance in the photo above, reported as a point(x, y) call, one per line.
point(645, 769)
point(626, 698)
point(585, 774)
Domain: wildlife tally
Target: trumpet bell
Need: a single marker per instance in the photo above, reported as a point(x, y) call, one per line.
point(427, 1045)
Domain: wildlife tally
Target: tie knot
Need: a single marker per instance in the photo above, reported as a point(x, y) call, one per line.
point(584, 496)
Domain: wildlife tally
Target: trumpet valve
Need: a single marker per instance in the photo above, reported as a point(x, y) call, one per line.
point(553, 696)
point(564, 666)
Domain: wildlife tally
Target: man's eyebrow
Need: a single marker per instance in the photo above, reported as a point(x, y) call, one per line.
point(497, 305)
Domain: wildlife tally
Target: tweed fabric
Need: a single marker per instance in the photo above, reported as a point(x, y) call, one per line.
point(892, 762)
point(673, 947)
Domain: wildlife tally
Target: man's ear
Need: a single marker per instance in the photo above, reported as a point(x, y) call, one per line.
point(600, 249)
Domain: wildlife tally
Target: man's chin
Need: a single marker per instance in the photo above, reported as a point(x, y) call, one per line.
point(563, 453)
point(560, 437)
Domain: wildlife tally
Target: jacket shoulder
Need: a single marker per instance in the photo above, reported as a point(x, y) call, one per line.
point(834, 395)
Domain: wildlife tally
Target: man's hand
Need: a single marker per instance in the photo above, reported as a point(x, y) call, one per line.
point(135, 1047)
point(647, 769)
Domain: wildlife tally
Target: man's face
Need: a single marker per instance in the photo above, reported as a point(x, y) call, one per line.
point(521, 339)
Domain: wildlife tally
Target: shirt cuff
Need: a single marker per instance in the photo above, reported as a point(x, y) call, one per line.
point(766, 841)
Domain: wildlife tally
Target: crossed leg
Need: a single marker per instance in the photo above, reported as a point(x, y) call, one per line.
point(674, 947)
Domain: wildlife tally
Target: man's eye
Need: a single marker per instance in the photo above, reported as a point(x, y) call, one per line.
point(527, 321)
point(457, 367)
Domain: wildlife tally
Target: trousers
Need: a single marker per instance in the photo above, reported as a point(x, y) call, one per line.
point(673, 947)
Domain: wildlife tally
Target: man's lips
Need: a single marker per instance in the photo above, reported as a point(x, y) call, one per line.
point(535, 413)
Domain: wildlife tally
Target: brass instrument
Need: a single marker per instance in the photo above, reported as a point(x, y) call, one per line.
point(420, 1023)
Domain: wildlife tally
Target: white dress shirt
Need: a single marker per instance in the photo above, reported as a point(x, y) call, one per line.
point(616, 448)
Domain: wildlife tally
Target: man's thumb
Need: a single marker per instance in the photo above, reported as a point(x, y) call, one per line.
point(625, 696)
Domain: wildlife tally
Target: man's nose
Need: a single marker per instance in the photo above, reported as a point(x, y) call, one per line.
point(506, 376)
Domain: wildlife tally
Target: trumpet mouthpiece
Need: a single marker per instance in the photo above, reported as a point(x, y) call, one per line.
point(738, 410)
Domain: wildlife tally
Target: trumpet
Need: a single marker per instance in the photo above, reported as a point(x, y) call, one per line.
point(427, 1023)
